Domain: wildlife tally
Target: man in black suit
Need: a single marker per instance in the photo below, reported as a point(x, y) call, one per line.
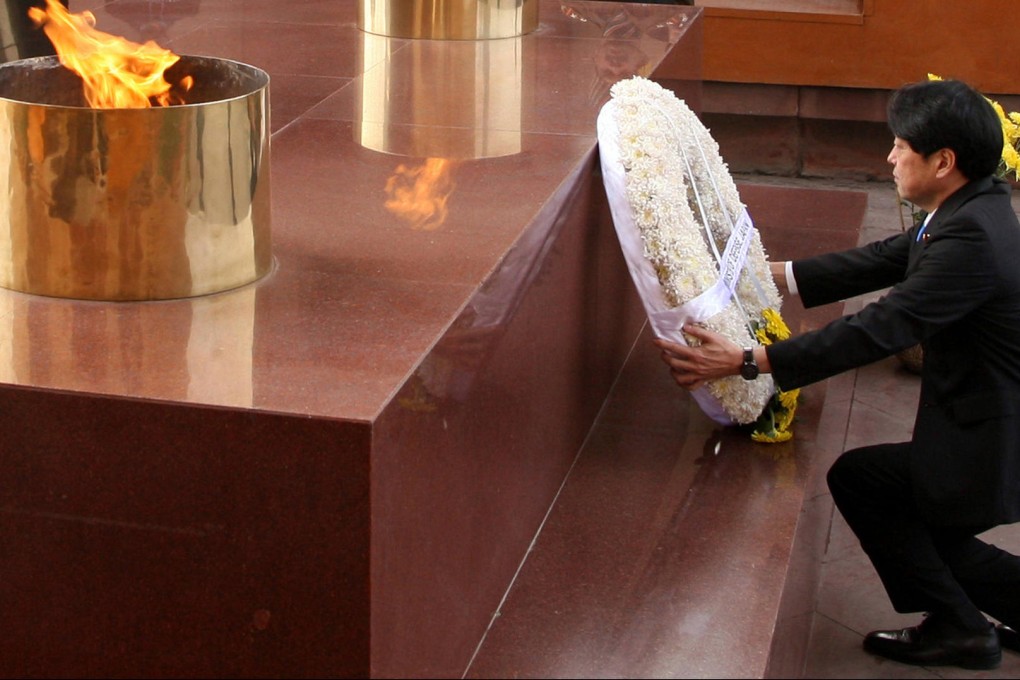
point(954, 287)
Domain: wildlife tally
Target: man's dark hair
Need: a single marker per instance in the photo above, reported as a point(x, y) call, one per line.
point(941, 114)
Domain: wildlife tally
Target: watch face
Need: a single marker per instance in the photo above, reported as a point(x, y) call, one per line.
point(749, 369)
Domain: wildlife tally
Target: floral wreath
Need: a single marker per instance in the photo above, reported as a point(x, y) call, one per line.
point(690, 246)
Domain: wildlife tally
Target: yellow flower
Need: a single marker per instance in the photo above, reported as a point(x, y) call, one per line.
point(932, 76)
point(774, 325)
point(784, 420)
point(773, 425)
point(789, 399)
point(772, 437)
point(1011, 127)
point(771, 327)
point(1011, 159)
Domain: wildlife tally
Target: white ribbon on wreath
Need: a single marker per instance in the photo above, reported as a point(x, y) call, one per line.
point(673, 201)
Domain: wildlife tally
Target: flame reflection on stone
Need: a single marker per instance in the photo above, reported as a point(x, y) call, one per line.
point(198, 350)
point(419, 194)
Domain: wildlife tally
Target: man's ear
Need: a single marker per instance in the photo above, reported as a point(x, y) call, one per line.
point(945, 162)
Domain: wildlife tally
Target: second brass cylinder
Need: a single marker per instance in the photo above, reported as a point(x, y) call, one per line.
point(448, 19)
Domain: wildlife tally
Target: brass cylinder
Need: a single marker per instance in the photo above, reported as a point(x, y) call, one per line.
point(448, 19)
point(134, 204)
point(464, 104)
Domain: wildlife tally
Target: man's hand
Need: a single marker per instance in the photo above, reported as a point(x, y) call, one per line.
point(715, 357)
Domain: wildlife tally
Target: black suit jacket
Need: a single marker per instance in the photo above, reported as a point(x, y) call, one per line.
point(956, 290)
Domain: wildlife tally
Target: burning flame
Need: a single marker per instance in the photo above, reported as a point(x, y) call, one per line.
point(117, 72)
point(419, 195)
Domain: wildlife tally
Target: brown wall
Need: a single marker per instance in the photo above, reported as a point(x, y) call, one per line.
point(799, 87)
point(863, 43)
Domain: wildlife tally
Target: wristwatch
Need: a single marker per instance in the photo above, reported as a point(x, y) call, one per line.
point(749, 369)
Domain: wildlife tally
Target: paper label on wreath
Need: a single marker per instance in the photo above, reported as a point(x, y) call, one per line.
point(726, 401)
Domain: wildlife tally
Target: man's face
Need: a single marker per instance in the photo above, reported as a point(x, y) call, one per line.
point(914, 174)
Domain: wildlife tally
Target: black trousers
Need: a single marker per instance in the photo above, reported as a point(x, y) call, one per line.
point(924, 567)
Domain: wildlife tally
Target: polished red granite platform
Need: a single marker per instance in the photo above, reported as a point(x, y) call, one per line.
point(335, 471)
point(677, 548)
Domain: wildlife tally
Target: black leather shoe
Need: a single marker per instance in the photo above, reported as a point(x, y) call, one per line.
point(935, 643)
point(1008, 637)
